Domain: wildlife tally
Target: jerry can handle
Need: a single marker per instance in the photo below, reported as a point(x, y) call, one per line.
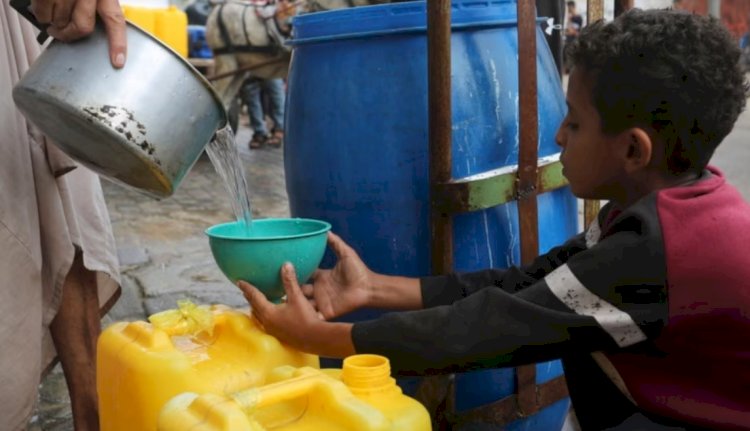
point(255, 398)
point(24, 8)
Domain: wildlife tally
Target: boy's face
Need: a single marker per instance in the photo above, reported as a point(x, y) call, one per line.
point(589, 157)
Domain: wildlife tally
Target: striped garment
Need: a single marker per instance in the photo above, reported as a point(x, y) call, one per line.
point(649, 311)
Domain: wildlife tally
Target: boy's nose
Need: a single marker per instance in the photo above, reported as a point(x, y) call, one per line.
point(560, 136)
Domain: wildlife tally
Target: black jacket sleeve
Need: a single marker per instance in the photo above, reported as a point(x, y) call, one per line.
point(447, 289)
point(609, 296)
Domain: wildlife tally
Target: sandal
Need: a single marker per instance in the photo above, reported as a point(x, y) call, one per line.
point(276, 139)
point(259, 139)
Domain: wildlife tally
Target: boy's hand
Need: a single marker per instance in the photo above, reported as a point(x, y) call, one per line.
point(290, 321)
point(296, 322)
point(344, 288)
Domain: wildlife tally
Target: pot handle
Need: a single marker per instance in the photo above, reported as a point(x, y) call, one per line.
point(24, 8)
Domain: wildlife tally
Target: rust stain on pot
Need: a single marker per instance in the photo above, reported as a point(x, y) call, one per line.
point(123, 122)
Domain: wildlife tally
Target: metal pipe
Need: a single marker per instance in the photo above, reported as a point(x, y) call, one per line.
point(594, 12)
point(440, 123)
point(528, 131)
point(527, 173)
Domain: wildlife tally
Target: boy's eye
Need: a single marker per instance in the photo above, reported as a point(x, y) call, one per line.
point(572, 126)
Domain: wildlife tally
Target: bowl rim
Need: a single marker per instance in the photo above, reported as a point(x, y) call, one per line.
point(324, 227)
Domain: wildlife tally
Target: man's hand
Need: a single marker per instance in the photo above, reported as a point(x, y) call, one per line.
point(69, 20)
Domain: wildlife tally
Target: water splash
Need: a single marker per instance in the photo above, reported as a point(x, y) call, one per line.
point(226, 160)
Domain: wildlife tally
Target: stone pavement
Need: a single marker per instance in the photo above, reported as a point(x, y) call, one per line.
point(164, 254)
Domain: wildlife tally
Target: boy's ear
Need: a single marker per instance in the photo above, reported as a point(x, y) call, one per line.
point(639, 149)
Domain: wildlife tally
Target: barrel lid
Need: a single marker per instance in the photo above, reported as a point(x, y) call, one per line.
point(397, 18)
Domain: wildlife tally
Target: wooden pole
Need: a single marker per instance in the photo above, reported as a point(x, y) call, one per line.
point(435, 391)
point(440, 124)
point(528, 131)
point(527, 173)
point(594, 12)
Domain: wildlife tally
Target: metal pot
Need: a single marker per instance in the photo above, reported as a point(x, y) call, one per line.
point(144, 125)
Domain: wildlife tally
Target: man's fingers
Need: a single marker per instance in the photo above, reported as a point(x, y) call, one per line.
point(114, 23)
point(82, 21)
point(61, 13)
point(42, 10)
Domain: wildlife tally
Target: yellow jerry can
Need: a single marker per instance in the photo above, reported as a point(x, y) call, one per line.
point(143, 17)
point(141, 365)
point(172, 29)
point(360, 397)
point(169, 25)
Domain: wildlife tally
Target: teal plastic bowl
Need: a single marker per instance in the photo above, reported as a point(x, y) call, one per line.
point(256, 255)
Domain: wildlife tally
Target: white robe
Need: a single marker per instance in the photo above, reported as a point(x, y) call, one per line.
point(48, 208)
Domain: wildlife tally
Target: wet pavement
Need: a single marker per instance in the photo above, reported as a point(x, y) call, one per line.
point(164, 254)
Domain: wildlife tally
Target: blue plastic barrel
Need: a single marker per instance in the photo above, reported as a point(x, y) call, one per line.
point(357, 152)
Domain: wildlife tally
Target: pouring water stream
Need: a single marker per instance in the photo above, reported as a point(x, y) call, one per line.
point(223, 154)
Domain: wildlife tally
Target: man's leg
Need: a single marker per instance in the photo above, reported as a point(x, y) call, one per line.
point(275, 90)
point(75, 330)
point(255, 112)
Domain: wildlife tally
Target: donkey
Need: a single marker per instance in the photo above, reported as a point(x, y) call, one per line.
point(251, 34)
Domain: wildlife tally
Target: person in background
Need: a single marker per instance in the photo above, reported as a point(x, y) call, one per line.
point(58, 267)
point(554, 9)
point(639, 304)
point(573, 25)
point(252, 92)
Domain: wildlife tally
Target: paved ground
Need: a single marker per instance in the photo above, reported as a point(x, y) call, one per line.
point(165, 256)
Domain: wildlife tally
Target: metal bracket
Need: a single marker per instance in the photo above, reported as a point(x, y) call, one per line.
point(496, 187)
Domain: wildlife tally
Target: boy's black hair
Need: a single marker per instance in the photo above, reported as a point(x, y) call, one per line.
point(673, 72)
point(570, 3)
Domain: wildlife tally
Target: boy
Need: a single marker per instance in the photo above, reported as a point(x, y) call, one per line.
point(649, 309)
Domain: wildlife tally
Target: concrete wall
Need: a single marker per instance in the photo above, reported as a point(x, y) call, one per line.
point(609, 6)
point(735, 14)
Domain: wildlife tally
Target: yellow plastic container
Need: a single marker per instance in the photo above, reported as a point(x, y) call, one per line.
point(361, 397)
point(172, 29)
point(143, 17)
point(169, 25)
point(140, 368)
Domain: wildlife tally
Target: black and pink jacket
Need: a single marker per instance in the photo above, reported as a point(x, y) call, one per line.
point(649, 310)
